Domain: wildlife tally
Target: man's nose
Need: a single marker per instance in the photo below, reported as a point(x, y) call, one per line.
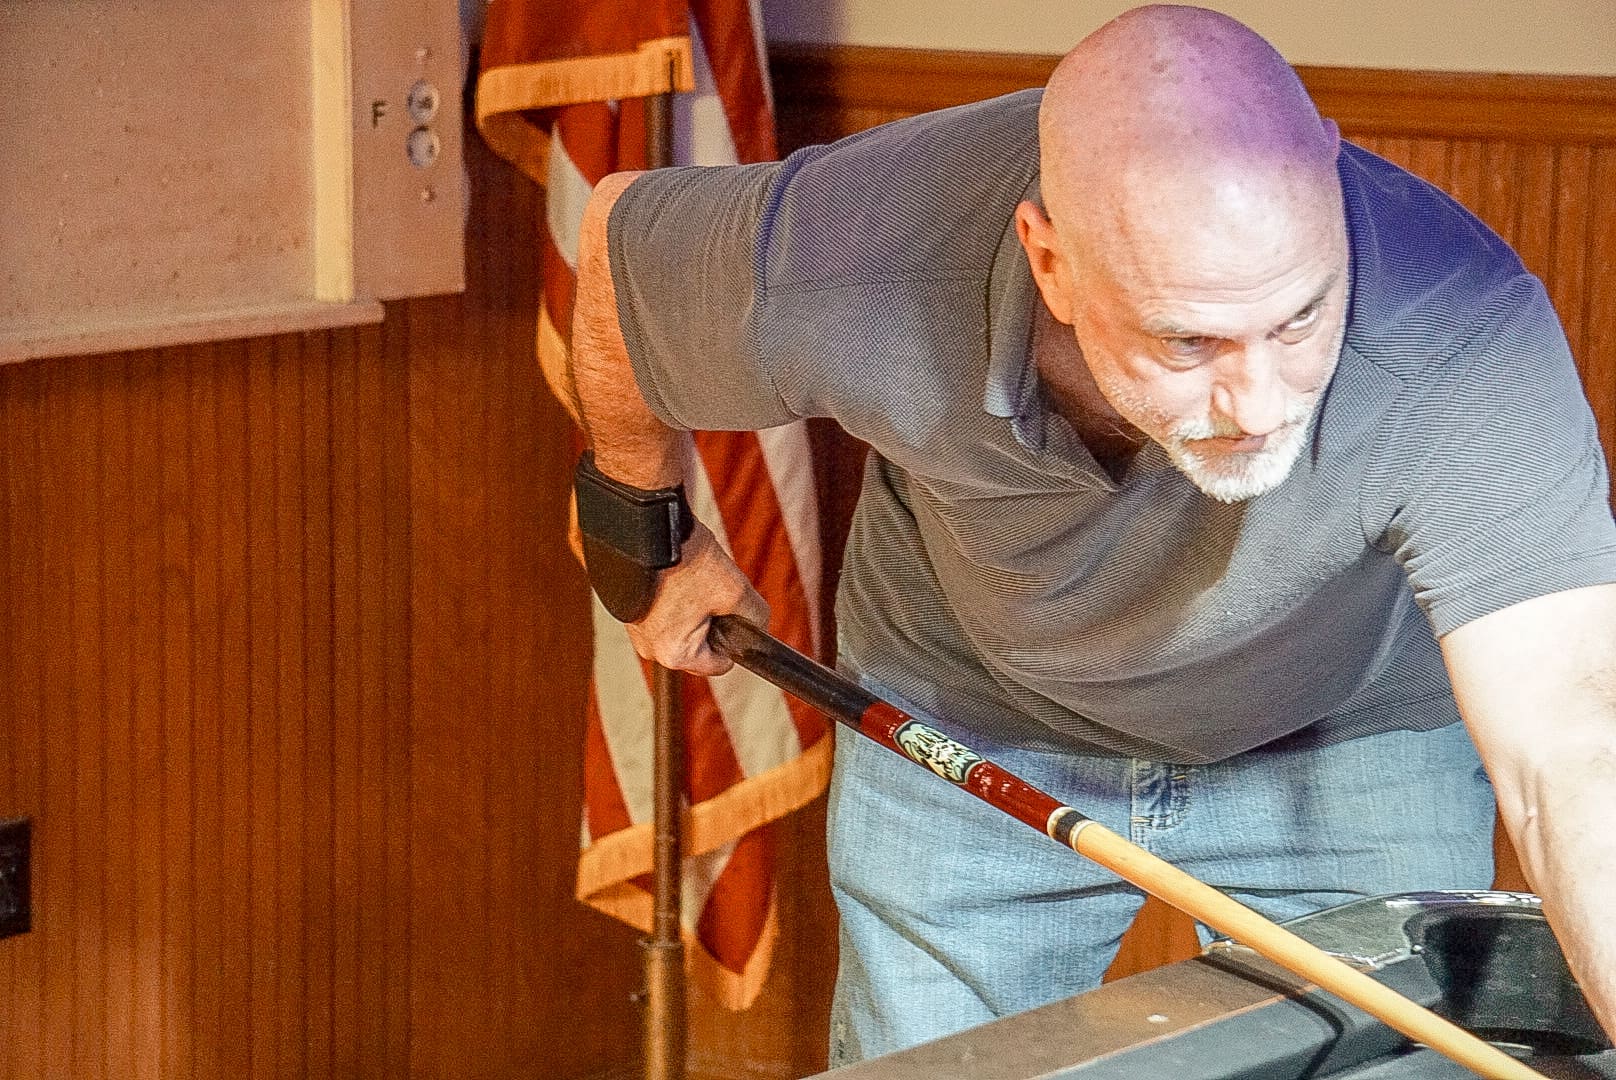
point(1249, 391)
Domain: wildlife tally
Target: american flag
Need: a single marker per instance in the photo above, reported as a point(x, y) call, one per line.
point(557, 95)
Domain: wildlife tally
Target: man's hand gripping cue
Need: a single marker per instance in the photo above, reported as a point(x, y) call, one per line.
point(705, 583)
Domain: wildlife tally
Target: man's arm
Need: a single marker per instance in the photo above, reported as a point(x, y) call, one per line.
point(632, 445)
point(1536, 684)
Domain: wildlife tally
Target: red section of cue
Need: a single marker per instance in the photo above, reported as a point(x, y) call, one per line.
point(954, 762)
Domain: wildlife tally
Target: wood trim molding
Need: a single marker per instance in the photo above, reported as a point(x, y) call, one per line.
point(899, 80)
point(1468, 105)
point(1365, 101)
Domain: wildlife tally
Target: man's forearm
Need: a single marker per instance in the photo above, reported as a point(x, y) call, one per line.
point(631, 444)
point(1563, 834)
point(1536, 683)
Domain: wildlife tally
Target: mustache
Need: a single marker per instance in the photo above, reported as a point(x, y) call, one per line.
point(1208, 427)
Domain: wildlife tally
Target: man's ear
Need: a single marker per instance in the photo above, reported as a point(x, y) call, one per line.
point(1050, 270)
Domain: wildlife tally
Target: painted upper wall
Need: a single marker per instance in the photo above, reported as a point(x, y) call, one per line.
point(1565, 37)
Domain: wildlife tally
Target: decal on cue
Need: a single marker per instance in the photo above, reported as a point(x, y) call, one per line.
point(926, 745)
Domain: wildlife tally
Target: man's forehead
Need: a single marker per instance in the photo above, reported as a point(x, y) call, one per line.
point(1213, 305)
point(1212, 313)
point(1284, 257)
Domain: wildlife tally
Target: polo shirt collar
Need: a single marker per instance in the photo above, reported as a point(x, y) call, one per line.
point(1012, 392)
point(1012, 380)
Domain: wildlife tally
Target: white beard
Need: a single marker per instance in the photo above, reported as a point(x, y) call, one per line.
point(1235, 477)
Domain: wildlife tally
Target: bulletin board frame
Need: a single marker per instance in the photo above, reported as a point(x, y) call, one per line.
point(192, 170)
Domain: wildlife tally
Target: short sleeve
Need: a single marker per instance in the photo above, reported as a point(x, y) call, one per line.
point(1498, 484)
point(681, 243)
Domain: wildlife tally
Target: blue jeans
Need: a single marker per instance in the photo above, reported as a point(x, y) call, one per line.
point(953, 913)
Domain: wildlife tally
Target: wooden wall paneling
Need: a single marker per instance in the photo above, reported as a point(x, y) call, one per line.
point(462, 394)
point(1568, 276)
point(513, 456)
point(289, 725)
point(173, 757)
point(230, 1031)
point(345, 889)
point(131, 547)
point(450, 826)
point(392, 638)
point(1571, 109)
point(261, 790)
point(201, 522)
point(119, 719)
point(84, 437)
point(111, 809)
point(1501, 179)
point(1394, 150)
point(54, 853)
point(370, 580)
point(1599, 329)
point(510, 592)
point(40, 573)
point(320, 838)
point(31, 669)
point(499, 663)
point(445, 808)
point(1534, 209)
point(367, 941)
point(10, 755)
point(9, 763)
point(171, 612)
point(158, 434)
point(1431, 159)
point(11, 961)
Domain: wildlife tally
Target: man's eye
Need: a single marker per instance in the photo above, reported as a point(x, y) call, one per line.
point(1301, 323)
point(1187, 346)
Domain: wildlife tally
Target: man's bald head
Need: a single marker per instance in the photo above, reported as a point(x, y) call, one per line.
point(1174, 108)
point(1191, 238)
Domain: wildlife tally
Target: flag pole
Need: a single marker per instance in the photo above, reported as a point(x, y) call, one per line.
point(665, 1016)
point(665, 951)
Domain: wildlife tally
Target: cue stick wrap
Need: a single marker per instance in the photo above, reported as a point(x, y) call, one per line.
point(845, 701)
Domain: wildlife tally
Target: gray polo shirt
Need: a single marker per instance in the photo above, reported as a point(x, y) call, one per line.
point(995, 576)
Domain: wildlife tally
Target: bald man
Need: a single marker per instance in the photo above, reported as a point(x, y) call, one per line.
point(1217, 470)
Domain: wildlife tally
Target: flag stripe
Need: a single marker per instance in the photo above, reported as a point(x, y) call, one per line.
point(731, 922)
point(789, 457)
point(711, 766)
point(565, 195)
point(733, 42)
point(557, 287)
point(700, 134)
point(624, 701)
point(760, 728)
point(750, 500)
point(702, 872)
point(589, 134)
point(604, 809)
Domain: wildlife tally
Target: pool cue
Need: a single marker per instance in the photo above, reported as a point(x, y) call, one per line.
point(665, 1010)
point(847, 702)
